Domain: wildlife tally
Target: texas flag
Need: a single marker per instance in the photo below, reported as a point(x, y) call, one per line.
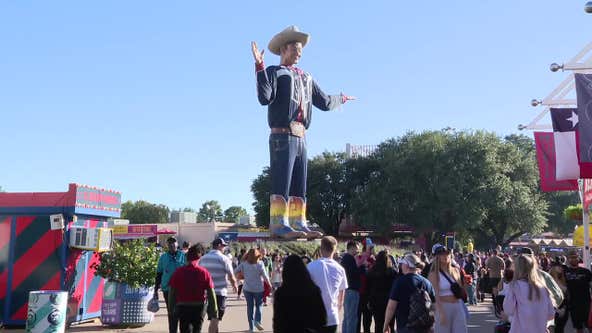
point(565, 124)
point(545, 151)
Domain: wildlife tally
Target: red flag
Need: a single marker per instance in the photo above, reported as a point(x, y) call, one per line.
point(545, 150)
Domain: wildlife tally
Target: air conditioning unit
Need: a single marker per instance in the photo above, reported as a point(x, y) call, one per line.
point(93, 239)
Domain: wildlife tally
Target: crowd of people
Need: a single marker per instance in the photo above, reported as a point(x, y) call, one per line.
point(415, 292)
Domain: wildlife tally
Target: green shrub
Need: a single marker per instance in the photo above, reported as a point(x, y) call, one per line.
point(573, 212)
point(132, 262)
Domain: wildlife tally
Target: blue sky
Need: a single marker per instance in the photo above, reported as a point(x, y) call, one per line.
point(157, 99)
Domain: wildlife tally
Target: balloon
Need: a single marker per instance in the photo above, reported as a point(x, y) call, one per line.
point(578, 235)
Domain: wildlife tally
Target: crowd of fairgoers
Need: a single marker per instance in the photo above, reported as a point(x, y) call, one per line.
point(414, 292)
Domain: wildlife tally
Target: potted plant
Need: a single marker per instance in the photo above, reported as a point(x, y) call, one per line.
point(130, 270)
point(573, 212)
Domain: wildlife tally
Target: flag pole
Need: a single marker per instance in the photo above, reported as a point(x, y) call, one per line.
point(586, 225)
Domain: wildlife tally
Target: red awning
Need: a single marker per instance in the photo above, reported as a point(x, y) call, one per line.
point(165, 232)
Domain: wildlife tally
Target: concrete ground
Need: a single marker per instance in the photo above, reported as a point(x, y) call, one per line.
point(481, 320)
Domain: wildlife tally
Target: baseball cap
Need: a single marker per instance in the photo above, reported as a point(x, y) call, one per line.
point(437, 245)
point(410, 260)
point(171, 240)
point(218, 241)
point(440, 249)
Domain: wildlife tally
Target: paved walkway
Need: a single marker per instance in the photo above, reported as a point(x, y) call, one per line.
point(481, 320)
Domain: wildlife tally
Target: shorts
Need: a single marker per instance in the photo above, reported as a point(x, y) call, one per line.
point(493, 282)
point(221, 302)
point(579, 314)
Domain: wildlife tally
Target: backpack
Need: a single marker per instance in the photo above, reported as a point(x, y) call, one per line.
point(420, 318)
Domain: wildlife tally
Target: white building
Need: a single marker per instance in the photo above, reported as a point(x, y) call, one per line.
point(355, 151)
point(183, 217)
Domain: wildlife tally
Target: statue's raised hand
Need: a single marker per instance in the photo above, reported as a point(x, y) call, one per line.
point(258, 55)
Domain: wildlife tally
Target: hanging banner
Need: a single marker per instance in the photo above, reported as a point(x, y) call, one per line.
point(587, 193)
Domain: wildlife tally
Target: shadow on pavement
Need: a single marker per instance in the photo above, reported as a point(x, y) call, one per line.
point(482, 318)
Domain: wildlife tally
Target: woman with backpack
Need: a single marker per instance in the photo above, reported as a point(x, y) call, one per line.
point(449, 288)
point(379, 282)
point(527, 299)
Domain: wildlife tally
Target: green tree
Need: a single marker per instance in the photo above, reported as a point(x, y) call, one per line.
point(233, 213)
point(143, 212)
point(261, 191)
point(327, 191)
point(514, 205)
point(557, 222)
point(210, 211)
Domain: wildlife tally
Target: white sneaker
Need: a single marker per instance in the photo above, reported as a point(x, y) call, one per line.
point(259, 326)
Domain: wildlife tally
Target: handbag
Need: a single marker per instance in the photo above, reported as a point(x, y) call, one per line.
point(457, 290)
point(266, 289)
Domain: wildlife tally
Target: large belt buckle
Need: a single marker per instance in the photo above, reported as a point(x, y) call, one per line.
point(297, 129)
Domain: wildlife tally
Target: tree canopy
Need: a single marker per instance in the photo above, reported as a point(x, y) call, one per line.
point(142, 212)
point(233, 213)
point(210, 211)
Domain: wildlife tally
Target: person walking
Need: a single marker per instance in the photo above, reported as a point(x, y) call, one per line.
point(403, 291)
point(297, 303)
point(447, 282)
point(578, 286)
point(527, 300)
point(167, 264)
point(471, 271)
point(189, 288)
point(562, 313)
point(495, 268)
point(240, 258)
point(379, 283)
point(277, 271)
point(255, 275)
point(366, 261)
point(330, 277)
point(220, 268)
point(352, 295)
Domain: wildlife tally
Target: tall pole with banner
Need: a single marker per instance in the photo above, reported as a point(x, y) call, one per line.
point(586, 197)
point(560, 98)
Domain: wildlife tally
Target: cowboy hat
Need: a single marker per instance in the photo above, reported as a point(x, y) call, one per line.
point(290, 34)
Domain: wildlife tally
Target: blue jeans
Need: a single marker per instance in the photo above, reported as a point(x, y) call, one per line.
point(288, 165)
point(471, 293)
point(350, 312)
point(253, 300)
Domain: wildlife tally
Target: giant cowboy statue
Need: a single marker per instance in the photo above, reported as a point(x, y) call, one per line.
point(289, 94)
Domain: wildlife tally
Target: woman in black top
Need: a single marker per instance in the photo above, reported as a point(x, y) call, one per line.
point(297, 304)
point(380, 280)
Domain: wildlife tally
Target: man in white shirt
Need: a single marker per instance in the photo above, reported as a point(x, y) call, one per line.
point(330, 277)
point(220, 268)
